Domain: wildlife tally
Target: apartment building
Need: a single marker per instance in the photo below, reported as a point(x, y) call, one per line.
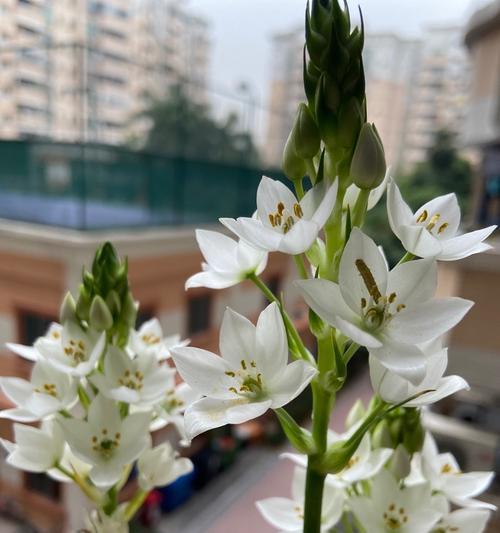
point(83, 70)
point(414, 88)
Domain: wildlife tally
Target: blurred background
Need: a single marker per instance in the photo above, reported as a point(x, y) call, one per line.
point(138, 120)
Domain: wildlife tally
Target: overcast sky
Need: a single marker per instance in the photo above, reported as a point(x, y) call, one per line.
point(241, 30)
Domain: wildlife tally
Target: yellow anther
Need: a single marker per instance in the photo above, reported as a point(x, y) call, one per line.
point(280, 208)
point(232, 389)
point(446, 469)
point(423, 216)
point(400, 307)
point(278, 219)
point(253, 364)
point(271, 220)
point(229, 373)
point(243, 364)
point(363, 303)
point(368, 279)
point(298, 210)
point(433, 221)
point(392, 297)
point(443, 227)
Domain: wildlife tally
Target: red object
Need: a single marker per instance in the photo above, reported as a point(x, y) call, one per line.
point(151, 510)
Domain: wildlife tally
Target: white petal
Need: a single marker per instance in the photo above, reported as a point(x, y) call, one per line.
point(19, 415)
point(466, 520)
point(16, 389)
point(237, 338)
point(290, 383)
point(218, 249)
point(352, 286)
point(28, 352)
point(398, 212)
point(419, 241)
point(272, 345)
point(280, 513)
point(468, 485)
point(300, 238)
point(352, 330)
point(254, 233)
point(319, 201)
point(413, 281)
point(204, 371)
point(105, 475)
point(249, 258)
point(465, 245)
point(209, 413)
point(406, 360)
point(269, 194)
point(428, 320)
point(446, 387)
point(212, 280)
point(447, 208)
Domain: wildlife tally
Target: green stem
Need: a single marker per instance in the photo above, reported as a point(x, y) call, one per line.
point(346, 523)
point(311, 170)
point(112, 502)
point(360, 207)
point(301, 266)
point(353, 348)
point(134, 504)
point(84, 398)
point(407, 257)
point(89, 491)
point(333, 236)
point(293, 335)
point(299, 189)
point(315, 482)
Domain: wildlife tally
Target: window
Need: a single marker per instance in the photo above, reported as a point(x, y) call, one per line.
point(199, 313)
point(33, 325)
point(43, 484)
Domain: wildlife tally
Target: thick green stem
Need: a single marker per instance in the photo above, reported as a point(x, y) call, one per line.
point(292, 333)
point(89, 491)
point(301, 266)
point(134, 504)
point(313, 499)
point(360, 207)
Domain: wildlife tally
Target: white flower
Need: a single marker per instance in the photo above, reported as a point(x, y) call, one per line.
point(160, 466)
point(395, 509)
point(48, 392)
point(170, 409)
point(288, 514)
point(106, 441)
point(394, 389)
point(30, 352)
point(352, 192)
point(251, 376)
point(149, 340)
point(283, 223)
point(75, 352)
point(445, 476)
point(432, 230)
point(35, 449)
point(227, 261)
point(364, 463)
point(142, 380)
point(388, 312)
point(461, 520)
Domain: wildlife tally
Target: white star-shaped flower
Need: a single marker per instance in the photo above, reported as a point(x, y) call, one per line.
point(250, 377)
point(460, 520)
point(283, 223)
point(388, 312)
point(53, 334)
point(149, 340)
point(432, 230)
point(228, 262)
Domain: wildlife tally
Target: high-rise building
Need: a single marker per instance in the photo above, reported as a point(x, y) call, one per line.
point(414, 88)
point(83, 70)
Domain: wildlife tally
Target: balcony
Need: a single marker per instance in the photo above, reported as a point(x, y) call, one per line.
point(88, 187)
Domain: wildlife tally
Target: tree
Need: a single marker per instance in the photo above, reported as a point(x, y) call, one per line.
point(182, 127)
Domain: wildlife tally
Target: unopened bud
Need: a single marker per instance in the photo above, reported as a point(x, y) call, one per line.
point(400, 463)
point(113, 302)
point(381, 437)
point(414, 433)
point(100, 316)
point(129, 310)
point(83, 304)
point(293, 166)
point(68, 309)
point(368, 164)
point(305, 133)
point(356, 413)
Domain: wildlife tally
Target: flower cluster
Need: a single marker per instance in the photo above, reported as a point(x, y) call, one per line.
point(96, 391)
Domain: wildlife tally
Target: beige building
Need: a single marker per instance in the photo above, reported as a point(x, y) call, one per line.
point(39, 264)
point(82, 70)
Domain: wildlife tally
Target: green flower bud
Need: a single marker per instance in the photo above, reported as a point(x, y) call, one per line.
point(100, 316)
point(356, 413)
point(113, 302)
point(381, 437)
point(293, 166)
point(414, 433)
point(83, 304)
point(400, 462)
point(368, 166)
point(129, 310)
point(305, 134)
point(68, 309)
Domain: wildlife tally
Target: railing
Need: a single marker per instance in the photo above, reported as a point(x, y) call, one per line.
point(85, 187)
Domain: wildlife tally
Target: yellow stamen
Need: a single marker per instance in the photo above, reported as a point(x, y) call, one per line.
point(368, 279)
point(280, 208)
point(433, 222)
point(298, 210)
point(443, 227)
point(423, 216)
point(271, 219)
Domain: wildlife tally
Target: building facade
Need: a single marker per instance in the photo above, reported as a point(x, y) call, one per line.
point(84, 70)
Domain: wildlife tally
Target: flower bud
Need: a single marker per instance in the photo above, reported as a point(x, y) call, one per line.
point(368, 165)
point(414, 433)
point(400, 463)
point(113, 302)
point(356, 413)
point(100, 316)
point(68, 309)
point(129, 310)
point(293, 166)
point(305, 134)
point(83, 304)
point(381, 437)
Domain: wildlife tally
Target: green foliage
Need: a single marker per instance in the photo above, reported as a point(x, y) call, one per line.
point(182, 127)
point(443, 171)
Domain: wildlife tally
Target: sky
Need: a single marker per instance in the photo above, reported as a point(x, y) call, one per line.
point(241, 32)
